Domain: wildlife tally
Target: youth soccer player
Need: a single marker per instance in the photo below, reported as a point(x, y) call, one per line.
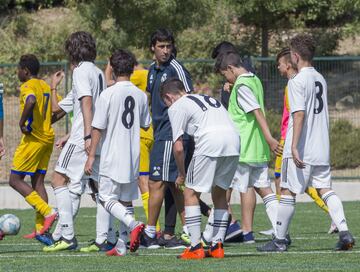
point(306, 158)
point(246, 108)
point(216, 154)
point(88, 83)
point(120, 112)
point(33, 153)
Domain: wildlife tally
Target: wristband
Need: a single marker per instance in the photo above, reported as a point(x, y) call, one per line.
point(87, 137)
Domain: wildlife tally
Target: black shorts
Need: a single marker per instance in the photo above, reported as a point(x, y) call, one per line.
point(162, 162)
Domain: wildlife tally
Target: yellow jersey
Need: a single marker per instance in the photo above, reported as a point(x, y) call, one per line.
point(139, 79)
point(39, 123)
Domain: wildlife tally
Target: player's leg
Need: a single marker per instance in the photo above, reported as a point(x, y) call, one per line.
point(109, 193)
point(37, 183)
point(321, 180)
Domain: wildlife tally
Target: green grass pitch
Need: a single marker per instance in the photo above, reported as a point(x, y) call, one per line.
point(311, 249)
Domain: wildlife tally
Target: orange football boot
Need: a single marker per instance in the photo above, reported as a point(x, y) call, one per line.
point(216, 251)
point(191, 253)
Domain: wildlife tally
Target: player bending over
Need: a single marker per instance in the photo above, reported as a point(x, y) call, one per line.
point(216, 155)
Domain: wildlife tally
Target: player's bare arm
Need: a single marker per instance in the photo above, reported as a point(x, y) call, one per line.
point(298, 117)
point(28, 110)
point(95, 136)
point(54, 82)
point(179, 156)
point(109, 75)
point(86, 109)
point(273, 143)
point(62, 141)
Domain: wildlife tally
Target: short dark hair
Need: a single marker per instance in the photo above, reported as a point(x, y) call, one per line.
point(222, 48)
point(304, 45)
point(80, 46)
point(224, 60)
point(31, 63)
point(285, 52)
point(161, 35)
point(122, 62)
point(171, 85)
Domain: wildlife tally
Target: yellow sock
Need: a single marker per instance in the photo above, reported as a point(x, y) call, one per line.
point(145, 201)
point(311, 191)
point(38, 203)
point(278, 197)
point(39, 221)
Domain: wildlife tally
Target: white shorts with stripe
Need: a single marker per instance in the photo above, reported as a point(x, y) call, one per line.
point(297, 180)
point(112, 190)
point(206, 172)
point(71, 162)
point(248, 175)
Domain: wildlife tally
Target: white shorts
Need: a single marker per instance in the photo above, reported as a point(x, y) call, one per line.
point(112, 190)
point(71, 162)
point(247, 176)
point(206, 172)
point(297, 180)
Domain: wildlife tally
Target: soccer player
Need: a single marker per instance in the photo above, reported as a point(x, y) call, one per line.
point(120, 112)
point(88, 82)
point(288, 70)
point(215, 159)
point(33, 153)
point(163, 170)
point(306, 158)
point(246, 108)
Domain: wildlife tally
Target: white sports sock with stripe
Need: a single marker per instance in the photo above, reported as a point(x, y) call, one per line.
point(119, 211)
point(220, 225)
point(124, 230)
point(193, 223)
point(209, 228)
point(102, 222)
point(271, 203)
point(64, 205)
point(336, 210)
point(285, 213)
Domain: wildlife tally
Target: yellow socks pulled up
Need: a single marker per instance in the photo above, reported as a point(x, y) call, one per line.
point(311, 191)
point(145, 201)
point(39, 221)
point(38, 203)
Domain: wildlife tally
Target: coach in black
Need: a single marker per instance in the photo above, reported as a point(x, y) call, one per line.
point(163, 170)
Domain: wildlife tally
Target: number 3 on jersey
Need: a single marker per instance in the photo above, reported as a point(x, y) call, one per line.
point(319, 101)
point(127, 117)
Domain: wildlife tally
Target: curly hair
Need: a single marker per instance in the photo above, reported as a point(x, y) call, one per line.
point(122, 62)
point(31, 63)
point(304, 45)
point(80, 46)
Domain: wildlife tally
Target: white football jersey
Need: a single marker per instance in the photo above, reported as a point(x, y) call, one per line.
point(120, 112)
point(88, 80)
point(67, 104)
point(204, 118)
point(308, 93)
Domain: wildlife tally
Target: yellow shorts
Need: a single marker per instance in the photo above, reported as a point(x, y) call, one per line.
point(31, 156)
point(145, 148)
point(278, 162)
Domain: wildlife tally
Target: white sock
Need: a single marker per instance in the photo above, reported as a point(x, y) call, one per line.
point(185, 230)
point(220, 225)
point(75, 201)
point(209, 228)
point(193, 223)
point(124, 230)
point(119, 211)
point(64, 205)
point(336, 210)
point(111, 234)
point(150, 231)
point(271, 203)
point(285, 213)
point(121, 247)
point(102, 222)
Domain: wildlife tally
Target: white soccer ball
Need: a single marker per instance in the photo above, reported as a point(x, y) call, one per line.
point(9, 224)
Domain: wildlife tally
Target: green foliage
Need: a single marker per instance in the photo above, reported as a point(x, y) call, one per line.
point(344, 146)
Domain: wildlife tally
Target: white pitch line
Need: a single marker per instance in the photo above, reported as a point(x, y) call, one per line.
point(51, 255)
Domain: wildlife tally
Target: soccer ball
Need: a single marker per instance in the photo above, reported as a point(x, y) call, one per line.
point(9, 224)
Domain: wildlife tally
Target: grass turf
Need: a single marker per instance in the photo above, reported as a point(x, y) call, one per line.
point(311, 249)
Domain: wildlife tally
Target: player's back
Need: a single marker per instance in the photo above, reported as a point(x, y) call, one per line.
point(40, 121)
point(88, 80)
point(314, 140)
point(204, 118)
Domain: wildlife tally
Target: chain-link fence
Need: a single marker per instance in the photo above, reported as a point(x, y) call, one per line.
point(341, 73)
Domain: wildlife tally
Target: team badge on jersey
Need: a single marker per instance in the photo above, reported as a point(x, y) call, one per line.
point(151, 78)
point(164, 77)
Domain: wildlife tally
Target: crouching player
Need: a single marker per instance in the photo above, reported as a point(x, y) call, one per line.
point(119, 113)
point(216, 155)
